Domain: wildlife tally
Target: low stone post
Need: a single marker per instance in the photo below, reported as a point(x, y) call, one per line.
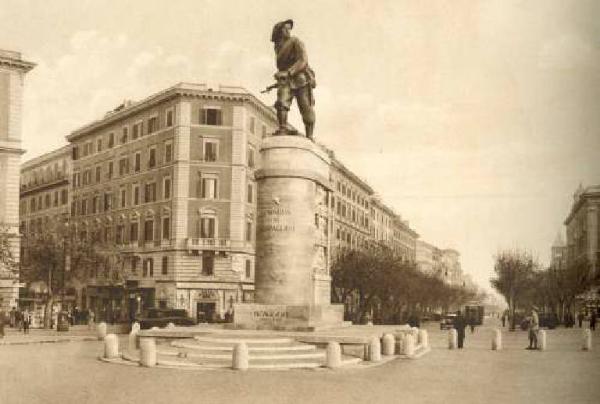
point(497, 340)
point(111, 346)
point(423, 338)
point(148, 352)
point(136, 326)
point(409, 345)
point(101, 330)
point(400, 342)
point(375, 350)
point(240, 357)
point(334, 355)
point(542, 340)
point(389, 345)
point(452, 339)
point(133, 340)
point(170, 325)
point(587, 340)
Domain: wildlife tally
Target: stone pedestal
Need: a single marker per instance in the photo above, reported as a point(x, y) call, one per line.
point(292, 283)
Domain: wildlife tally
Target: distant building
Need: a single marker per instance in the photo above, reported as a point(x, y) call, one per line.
point(558, 253)
point(583, 227)
point(404, 239)
point(429, 258)
point(351, 202)
point(451, 267)
point(12, 72)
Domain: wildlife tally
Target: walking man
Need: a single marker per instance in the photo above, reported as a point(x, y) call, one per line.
point(580, 319)
point(460, 324)
point(534, 327)
point(593, 319)
point(26, 321)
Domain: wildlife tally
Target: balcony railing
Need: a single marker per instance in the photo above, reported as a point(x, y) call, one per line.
point(208, 242)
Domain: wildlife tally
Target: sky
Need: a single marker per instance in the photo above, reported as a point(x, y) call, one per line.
point(475, 120)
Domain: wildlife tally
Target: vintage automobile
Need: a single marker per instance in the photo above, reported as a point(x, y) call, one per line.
point(447, 321)
point(161, 317)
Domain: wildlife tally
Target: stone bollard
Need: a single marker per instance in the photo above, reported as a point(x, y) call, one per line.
point(414, 331)
point(148, 352)
point(587, 340)
point(240, 357)
point(375, 350)
point(170, 325)
point(423, 338)
point(389, 345)
point(334, 355)
point(542, 340)
point(409, 345)
point(111, 346)
point(136, 326)
point(101, 330)
point(497, 340)
point(133, 341)
point(399, 342)
point(452, 339)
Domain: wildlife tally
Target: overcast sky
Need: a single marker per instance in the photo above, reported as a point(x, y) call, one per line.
point(475, 120)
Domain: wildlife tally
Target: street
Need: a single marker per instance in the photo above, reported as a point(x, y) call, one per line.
point(71, 373)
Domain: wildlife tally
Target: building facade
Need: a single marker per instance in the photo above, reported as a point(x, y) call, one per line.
point(583, 228)
point(170, 181)
point(12, 71)
point(350, 203)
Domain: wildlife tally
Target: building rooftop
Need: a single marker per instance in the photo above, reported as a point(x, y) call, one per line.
point(201, 90)
point(12, 59)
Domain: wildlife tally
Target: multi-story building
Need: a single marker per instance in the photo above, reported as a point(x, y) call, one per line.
point(12, 71)
point(170, 181)
point(404, 239)
point(44, 191)
point(583, 228)
point(429, 258)
point(350, 203)
point(382, 223)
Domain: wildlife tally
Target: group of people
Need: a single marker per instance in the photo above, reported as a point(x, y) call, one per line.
point(20, 319)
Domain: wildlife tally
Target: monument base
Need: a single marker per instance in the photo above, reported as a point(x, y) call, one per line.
point(255, 316)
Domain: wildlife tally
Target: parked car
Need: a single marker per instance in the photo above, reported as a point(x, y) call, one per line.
point(162, 317)
point(447, 321)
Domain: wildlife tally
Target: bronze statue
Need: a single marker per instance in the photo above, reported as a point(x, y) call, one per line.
point(295, 79)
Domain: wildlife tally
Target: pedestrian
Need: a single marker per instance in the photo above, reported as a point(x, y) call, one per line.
point(13, 317)
point(459, 325)
point(534, 327)
point(580, 319)
point(26, 321)
point(593, 319)
point(503, 320)
point(472, 324)
point(19, 319)
point(2, 319)
point(91, 318)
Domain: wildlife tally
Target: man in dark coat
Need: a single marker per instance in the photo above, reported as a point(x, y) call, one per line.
point(459, 324)
point(593, 319)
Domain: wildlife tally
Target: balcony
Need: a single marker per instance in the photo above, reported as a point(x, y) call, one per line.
point(210, 243)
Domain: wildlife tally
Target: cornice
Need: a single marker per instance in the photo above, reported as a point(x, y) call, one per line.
point(16, 64)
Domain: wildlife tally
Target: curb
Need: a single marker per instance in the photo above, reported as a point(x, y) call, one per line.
point(47, 341)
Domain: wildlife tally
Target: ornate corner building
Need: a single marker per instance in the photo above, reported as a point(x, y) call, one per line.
point(12, 72)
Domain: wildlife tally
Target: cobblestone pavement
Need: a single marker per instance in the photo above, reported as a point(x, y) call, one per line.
point(71, 373)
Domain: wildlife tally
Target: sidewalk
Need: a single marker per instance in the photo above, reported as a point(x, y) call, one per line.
point(41, 336)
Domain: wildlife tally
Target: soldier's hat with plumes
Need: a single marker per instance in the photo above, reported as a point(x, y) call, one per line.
point(277, 29)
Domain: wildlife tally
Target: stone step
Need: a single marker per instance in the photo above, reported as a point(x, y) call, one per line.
point(255, 356)
point(229, 348)
point(253, 340)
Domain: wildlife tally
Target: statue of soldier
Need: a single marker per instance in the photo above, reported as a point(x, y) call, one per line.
point(295, 79)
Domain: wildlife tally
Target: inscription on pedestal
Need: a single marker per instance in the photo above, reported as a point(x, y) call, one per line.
point(275, 219)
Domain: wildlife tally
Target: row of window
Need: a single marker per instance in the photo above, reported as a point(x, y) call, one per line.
point(125, 197)
point(129, 233)
point(91, 176)
point(347, 211)
point(126, 133)
point(352, 194)
point(47, 200)
point(45, 175)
